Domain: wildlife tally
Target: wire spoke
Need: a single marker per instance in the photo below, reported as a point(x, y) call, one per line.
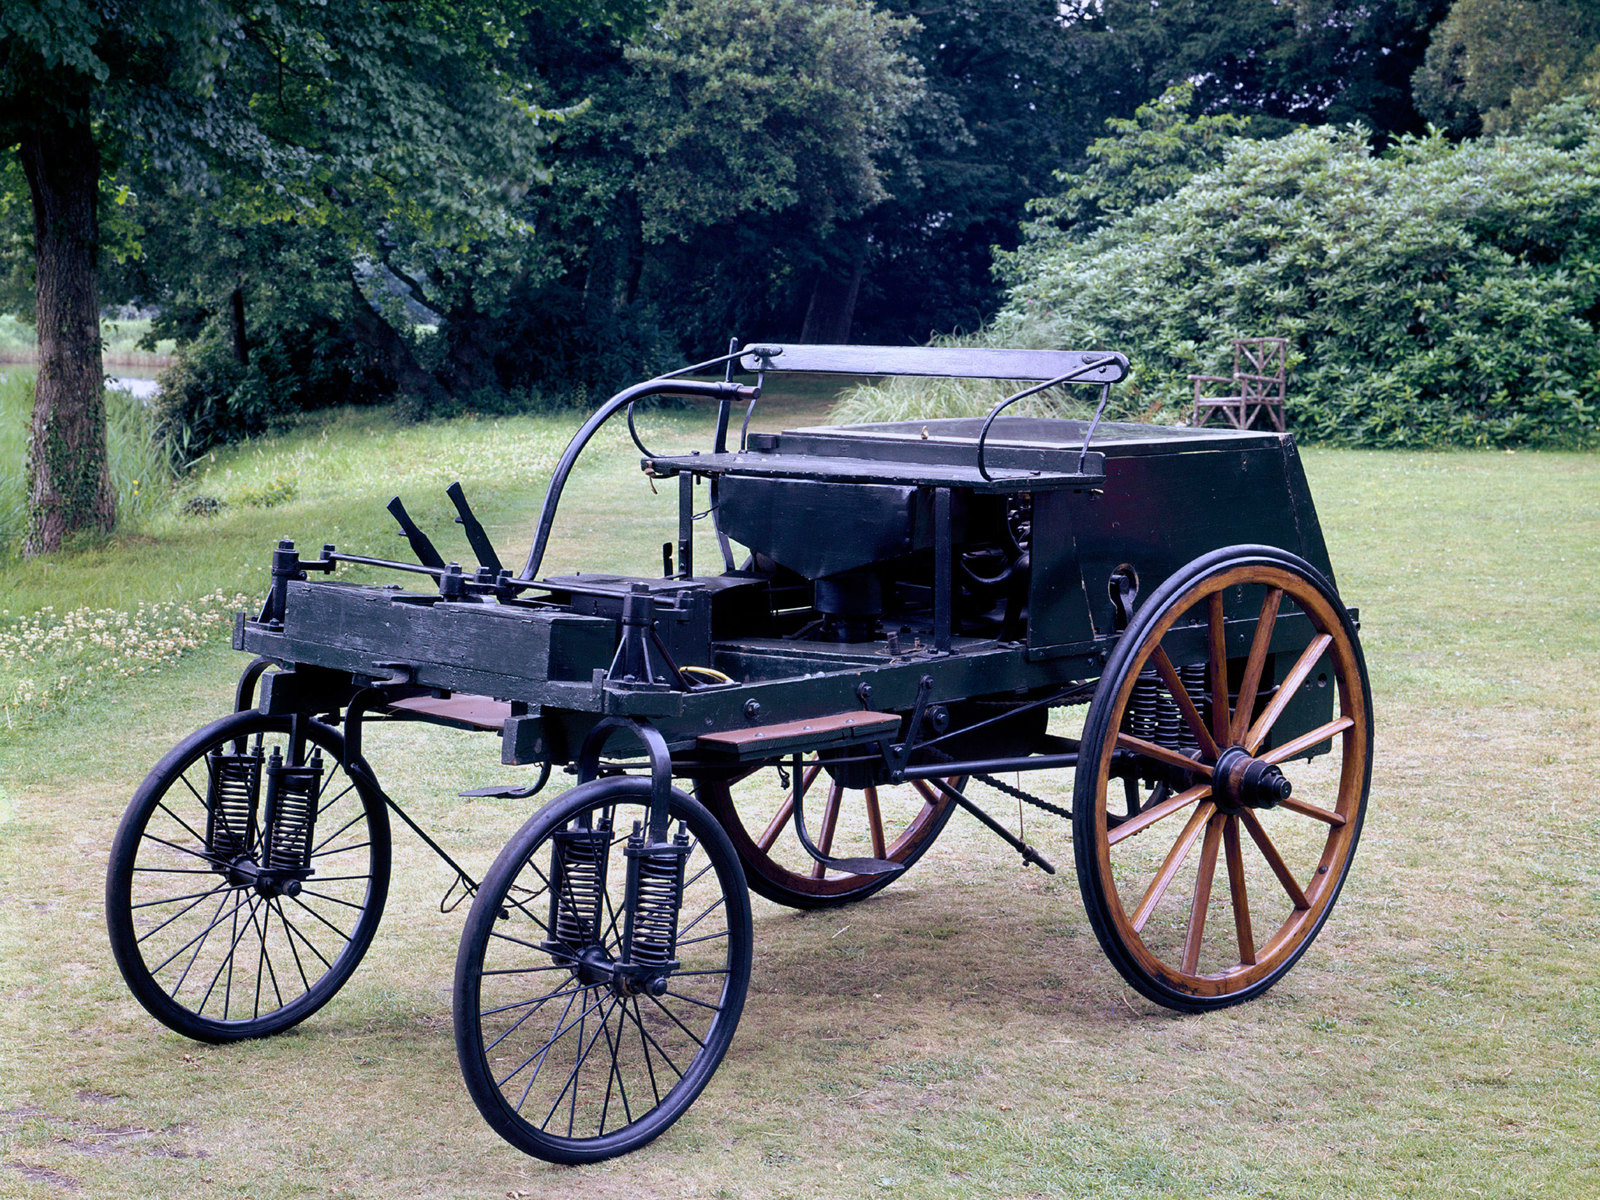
point(320, 917)
point(162, 805)
point(277, 907)
point(138, 941)
point(693, 1036)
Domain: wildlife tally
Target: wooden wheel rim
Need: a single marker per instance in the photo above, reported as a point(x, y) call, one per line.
point(778, 881)
point(1321, 885)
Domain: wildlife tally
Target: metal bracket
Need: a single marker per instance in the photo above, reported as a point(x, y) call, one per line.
point(655, 746)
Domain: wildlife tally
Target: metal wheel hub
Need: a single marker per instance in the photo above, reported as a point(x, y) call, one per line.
point(594, 966)
point(245, 872)
point(1239, 781)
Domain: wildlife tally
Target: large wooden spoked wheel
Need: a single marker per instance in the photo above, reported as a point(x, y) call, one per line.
point(1204, 886)
point(895, 822)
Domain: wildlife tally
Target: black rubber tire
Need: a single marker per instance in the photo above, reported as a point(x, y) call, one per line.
point(501, 945)
point(1146, 970)
point(160, 848)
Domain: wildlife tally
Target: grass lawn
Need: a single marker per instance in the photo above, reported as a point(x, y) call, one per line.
point(960, 1034)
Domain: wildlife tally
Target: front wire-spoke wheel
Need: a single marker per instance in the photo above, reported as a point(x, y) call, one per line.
point(247, 877)
point(572, 1050)
point(1223, 778)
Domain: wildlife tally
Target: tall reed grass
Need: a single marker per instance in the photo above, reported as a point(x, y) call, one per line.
point(141, 471)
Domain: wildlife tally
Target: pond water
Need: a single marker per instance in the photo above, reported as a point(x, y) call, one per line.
point(140, 387)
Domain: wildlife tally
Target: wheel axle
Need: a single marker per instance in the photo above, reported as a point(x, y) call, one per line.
point(1240, 781)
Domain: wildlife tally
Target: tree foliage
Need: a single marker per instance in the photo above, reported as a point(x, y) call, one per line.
point(1141, 160)
point(1493, 63)
point(1434, 295)
point(327, 111)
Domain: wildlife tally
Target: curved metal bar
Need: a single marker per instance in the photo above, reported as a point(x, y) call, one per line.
point(714, 390)
point(1105, 395)
point(244, 696)
point(1070, 377)
point(364, 701)
point(633, 432)
point(660, 764)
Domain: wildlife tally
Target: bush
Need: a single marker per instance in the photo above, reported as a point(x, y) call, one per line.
point(1437, 295)
point(207, 397)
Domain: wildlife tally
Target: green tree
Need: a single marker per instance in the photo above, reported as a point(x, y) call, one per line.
point(1140, 161)
point(712, 157)
point(324, 106)
point(1493, 63)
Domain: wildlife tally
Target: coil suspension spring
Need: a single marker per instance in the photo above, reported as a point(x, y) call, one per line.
point(233, 786)
point(578, 858)
point(1153, 715)
point(655, 896)
point(291, 813)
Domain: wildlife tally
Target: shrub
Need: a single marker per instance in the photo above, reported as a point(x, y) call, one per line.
point(1436, 295)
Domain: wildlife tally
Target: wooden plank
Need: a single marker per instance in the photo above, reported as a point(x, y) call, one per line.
point(763, 741)
point(936, 361)
point(470, 712)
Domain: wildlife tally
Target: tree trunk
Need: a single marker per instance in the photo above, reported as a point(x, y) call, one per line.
point(832, 309)
point(236, 325)
point(392, 352)
point(69, 475)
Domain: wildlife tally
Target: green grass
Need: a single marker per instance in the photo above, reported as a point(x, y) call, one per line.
point(140, 469)
point(959, 1035)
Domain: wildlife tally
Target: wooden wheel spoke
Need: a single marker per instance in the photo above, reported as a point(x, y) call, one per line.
point(1217, 645)
point(785, 810)
point(1311, 810)
point(1274, 859)
point(1185, 702)
point(1250, 685)
point(1286, 690)
point(1202, 894)
point(1307, 740)
point(1160, 753)
point(1241, 901)
point(1157, 812)
point(830, 821)
point(875, 823)
point(1169, 868)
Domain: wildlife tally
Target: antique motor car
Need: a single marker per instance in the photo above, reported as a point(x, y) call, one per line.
point(1132, 628)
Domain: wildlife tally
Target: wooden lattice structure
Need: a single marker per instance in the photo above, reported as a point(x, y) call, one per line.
point(1256, 388)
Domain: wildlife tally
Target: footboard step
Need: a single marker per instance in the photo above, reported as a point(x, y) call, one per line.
point(461, 712)
point(812, 733)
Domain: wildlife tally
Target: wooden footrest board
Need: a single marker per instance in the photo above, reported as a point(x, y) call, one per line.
point(463, 712)
point(812, 733)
